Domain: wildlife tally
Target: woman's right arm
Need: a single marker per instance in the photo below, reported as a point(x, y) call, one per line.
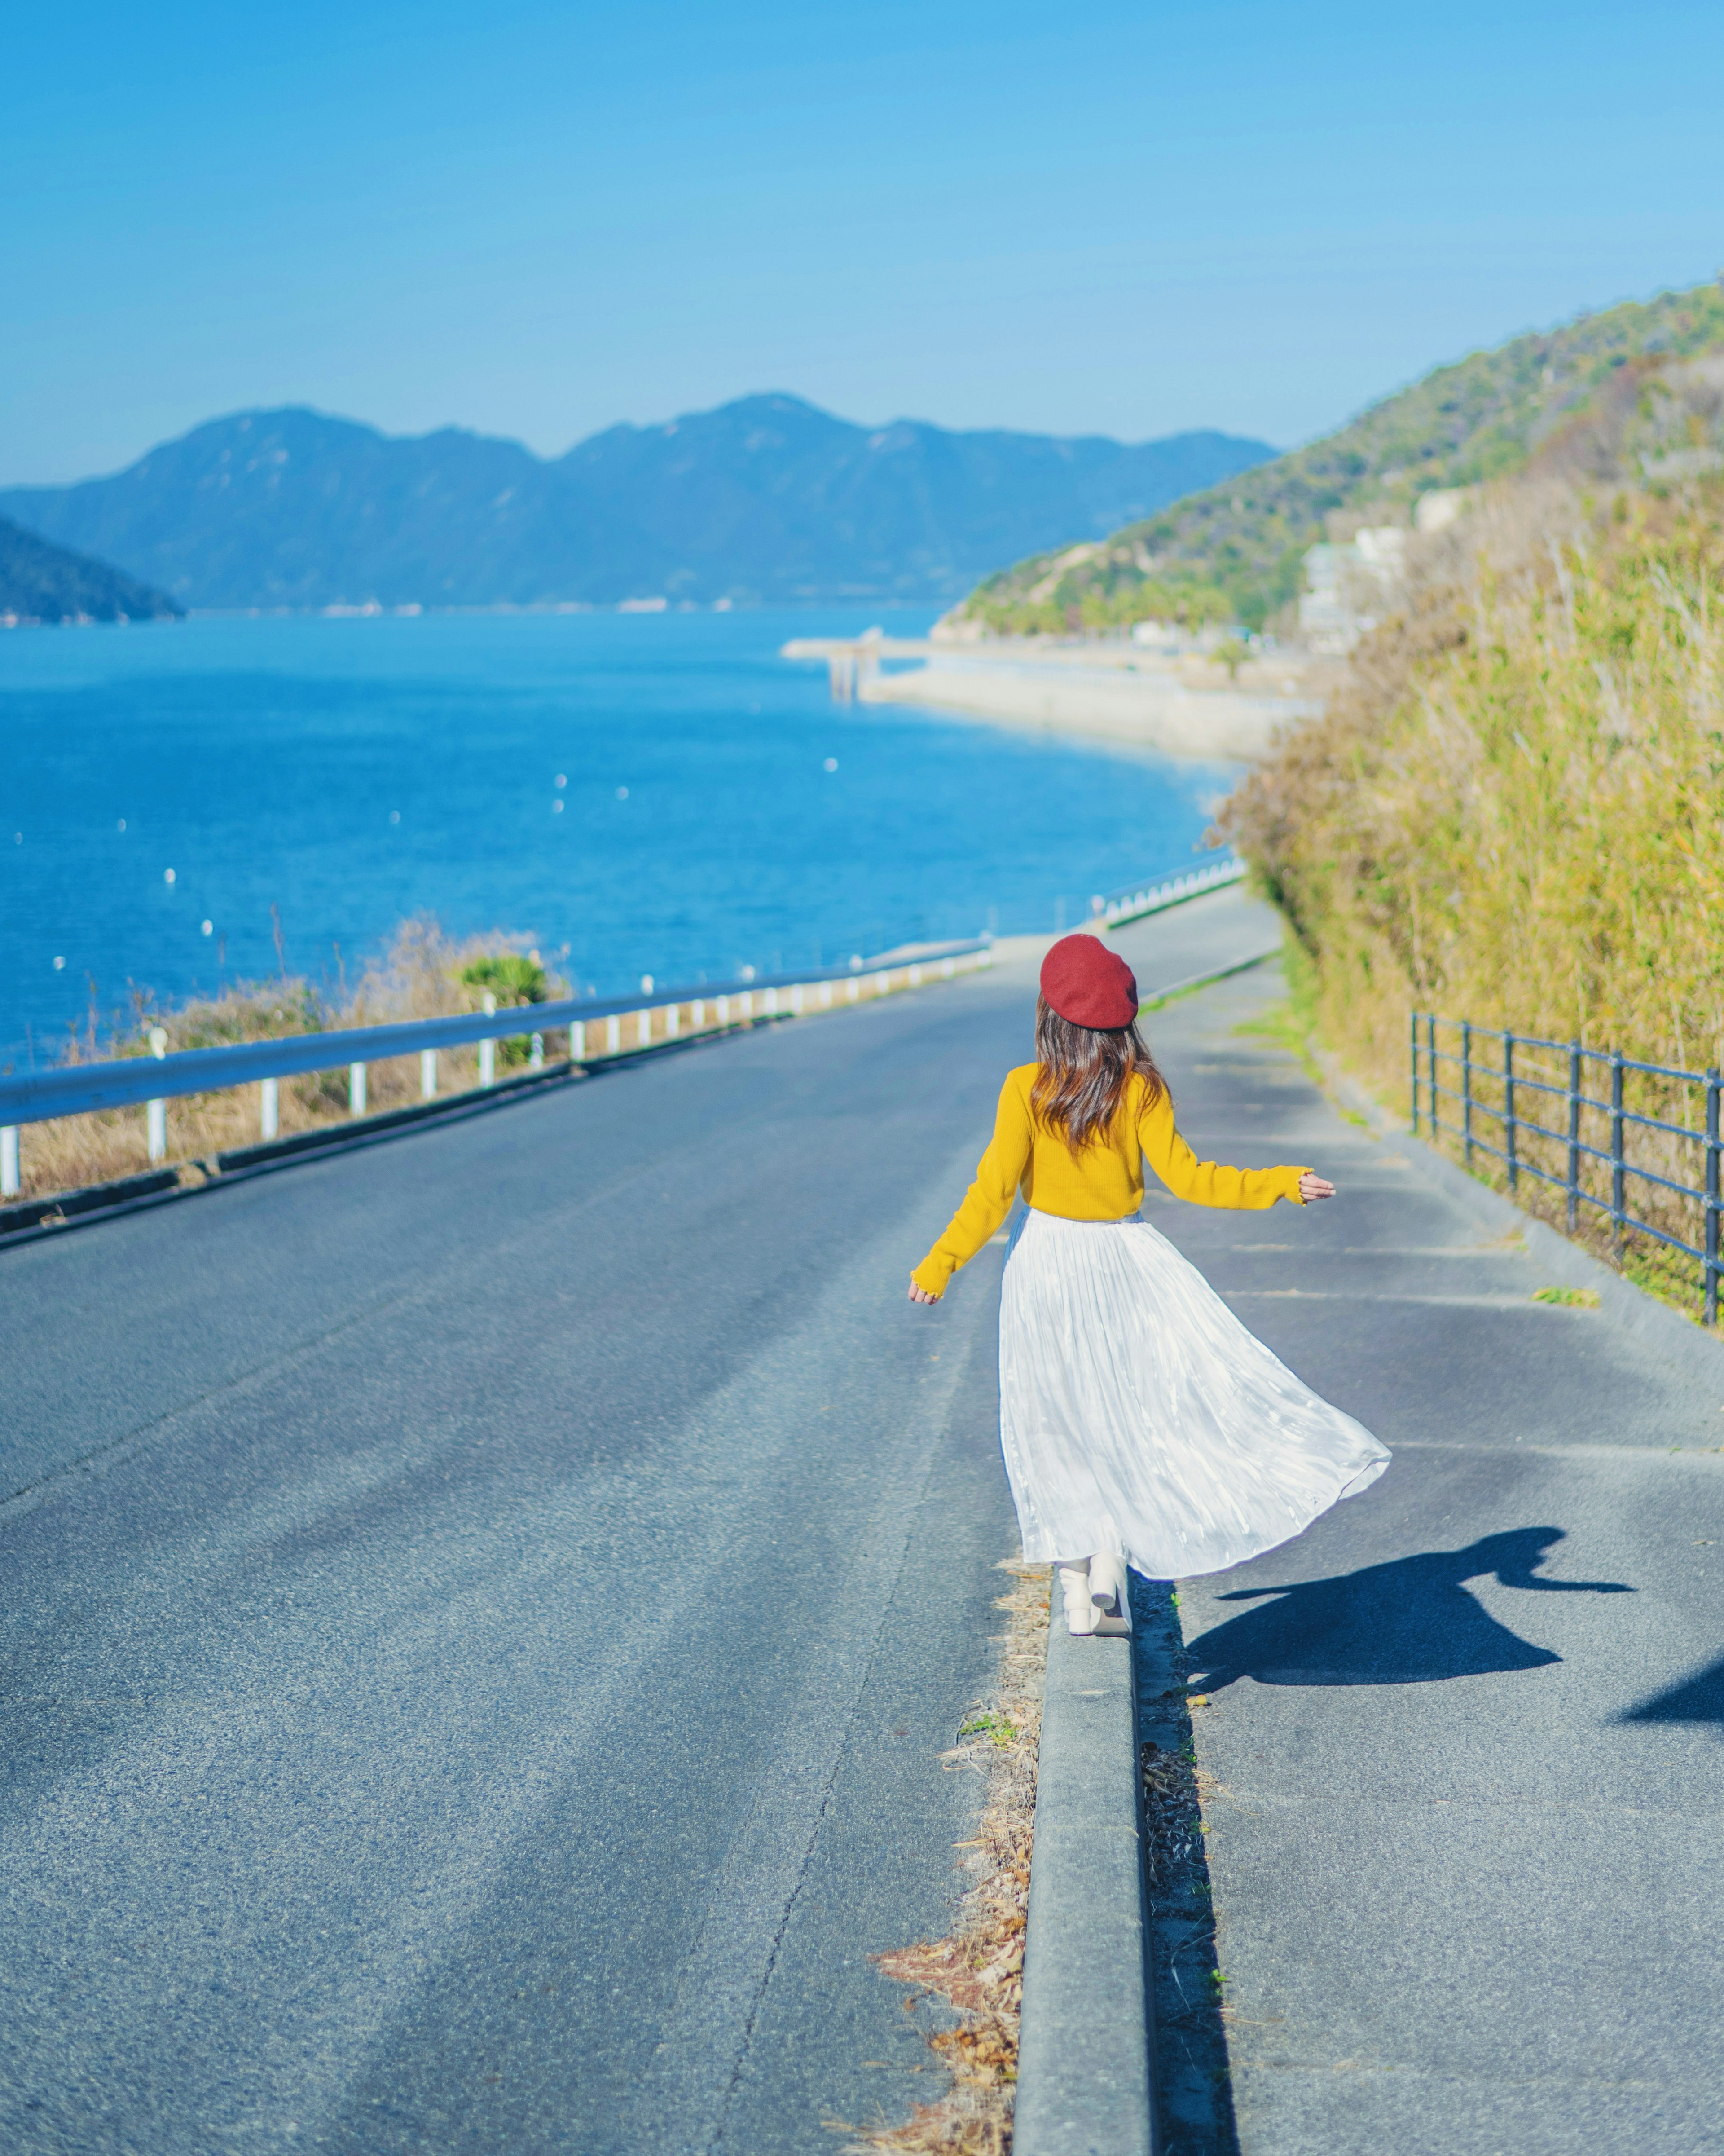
point(988, 1201)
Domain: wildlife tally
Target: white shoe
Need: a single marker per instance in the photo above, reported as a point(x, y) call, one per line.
point(1080, 1609)
point(1109, 1596)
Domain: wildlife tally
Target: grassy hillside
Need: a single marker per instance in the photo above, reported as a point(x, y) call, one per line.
point(1234, 551)
point(40, 582)
point(1511, 812)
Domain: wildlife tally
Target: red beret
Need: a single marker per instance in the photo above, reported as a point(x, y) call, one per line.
point(1088, 984)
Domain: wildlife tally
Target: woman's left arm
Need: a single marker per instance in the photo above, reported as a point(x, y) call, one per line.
point(1209, 1181)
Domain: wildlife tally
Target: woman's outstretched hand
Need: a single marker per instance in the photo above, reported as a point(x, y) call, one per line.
point(1312, 1187)
point(918, 1293)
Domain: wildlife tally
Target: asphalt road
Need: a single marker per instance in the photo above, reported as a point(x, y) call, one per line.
point(483, 1612)
point(1464, 1804)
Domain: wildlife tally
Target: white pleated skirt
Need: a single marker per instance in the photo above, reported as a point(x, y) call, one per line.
point(1137, 1415)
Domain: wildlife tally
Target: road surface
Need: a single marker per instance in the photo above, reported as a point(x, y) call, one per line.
point(483, 1611)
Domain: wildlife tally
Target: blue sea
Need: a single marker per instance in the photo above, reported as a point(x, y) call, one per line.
point(635, 793)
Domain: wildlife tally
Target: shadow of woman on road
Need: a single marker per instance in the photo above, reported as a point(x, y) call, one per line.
point(1410, 1621)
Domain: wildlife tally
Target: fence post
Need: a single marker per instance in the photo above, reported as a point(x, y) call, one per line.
point(1713, 1083)
point(1573, 1136)
point(644, 1029)
point(1467, 1088)
point(1435, 1098)
point(1413, 1028)
point(488, 1048)
point(427, 1074)
point(269, 1108)
point(156, 1114)
point(577, 1041)
point(9, 1161)
point(724, 1010)
point(1616, 1174)
point(1508, 1109)
point(355, 1088)
point(612, 1036)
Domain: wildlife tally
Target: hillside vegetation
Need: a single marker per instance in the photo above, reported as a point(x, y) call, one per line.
point(1234, 551)
point(41, 582)
point(1513, 813)
point(764, 499)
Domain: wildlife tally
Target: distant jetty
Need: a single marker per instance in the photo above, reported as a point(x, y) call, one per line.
point(1177, 702)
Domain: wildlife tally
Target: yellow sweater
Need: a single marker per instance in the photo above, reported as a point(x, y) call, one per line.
point(1104, 1183)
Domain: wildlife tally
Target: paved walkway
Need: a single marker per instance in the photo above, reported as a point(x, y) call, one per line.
point(1466, 1787)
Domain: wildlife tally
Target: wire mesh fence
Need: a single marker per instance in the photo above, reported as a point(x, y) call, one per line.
point(1632, 1149)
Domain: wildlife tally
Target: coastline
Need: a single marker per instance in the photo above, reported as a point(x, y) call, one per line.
point(1181, 706)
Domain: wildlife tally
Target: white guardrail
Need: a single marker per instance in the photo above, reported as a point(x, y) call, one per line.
point(1154, 893)
point(622, 1025)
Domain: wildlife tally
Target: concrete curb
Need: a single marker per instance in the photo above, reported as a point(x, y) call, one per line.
point(1085, 2042)
point(1569, 1265)
point(1158, 997)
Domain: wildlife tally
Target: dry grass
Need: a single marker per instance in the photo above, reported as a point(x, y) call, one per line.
point(979, 1969)
point(1512, 811)
point(419, 977)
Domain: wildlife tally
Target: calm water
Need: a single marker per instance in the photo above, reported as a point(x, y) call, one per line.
point(351, 772)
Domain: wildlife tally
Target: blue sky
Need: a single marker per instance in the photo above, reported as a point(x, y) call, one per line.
point(536, 220)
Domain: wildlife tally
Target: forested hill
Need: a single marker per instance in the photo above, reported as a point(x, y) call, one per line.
point(39, 582)
point(1234, 551)
point(766, 498)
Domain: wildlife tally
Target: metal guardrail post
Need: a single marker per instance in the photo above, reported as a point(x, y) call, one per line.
point(355, 1088)
point(1412, 1029)
point(1435, 1099)
point(488, 1048)
point(9, 1184)
point(1713, 1083)
point(270, 1108)
point(1617, 1208)
point(427, 1074)
point(577, 1041)
point(155, 1111)
point(1573, 1136)
point(1466, 1089)
point(1511, 1160)
point(535, 1057)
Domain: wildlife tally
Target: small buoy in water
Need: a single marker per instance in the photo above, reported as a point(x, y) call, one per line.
point(557, 808)
point(832, 763)
point(122, 823)
point(394, 815)
point(562, 779)
point(59, 965)
point(622, 793)
point(646, 984)
point(167, 875)
point(207, 928)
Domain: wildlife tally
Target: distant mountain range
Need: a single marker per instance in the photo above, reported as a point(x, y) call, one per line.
point(766, 498)
point(1236, 552)
point(41, 581)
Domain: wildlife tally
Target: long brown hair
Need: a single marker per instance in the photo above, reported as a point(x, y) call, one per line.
point(1085, 1073)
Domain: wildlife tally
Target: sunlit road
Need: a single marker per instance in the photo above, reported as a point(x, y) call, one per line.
point(483, 1612)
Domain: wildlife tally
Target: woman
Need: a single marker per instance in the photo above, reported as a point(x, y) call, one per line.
point(1140, 1422)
